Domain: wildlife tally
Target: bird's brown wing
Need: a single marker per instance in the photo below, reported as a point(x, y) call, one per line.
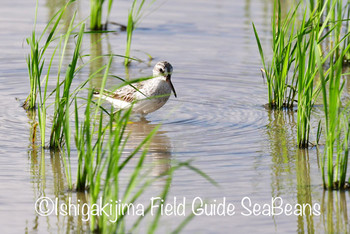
point(127, 93)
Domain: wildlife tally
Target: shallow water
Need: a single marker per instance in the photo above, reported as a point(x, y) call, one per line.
point(218, 120)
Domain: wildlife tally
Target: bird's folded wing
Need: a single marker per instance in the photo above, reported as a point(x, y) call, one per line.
point(126, 93)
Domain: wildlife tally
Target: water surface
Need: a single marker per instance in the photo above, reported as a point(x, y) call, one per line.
point(218, 120)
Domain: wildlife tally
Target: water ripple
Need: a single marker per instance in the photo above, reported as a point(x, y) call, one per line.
point(223, 127)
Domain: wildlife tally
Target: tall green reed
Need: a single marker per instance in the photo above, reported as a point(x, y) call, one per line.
point(102, 162)
point(84, 139)
point(294, 54)
point(336, 115)
point(36, 59)
point(305, 58)
point(305, 63)
point(96, 11)
point(136, 185)
point(320, 29)
point(281, 87)
point(36, 67)
point(336, 124)
point(62, 103)
point(101, 165)
point(346, 15)
point(134, 16)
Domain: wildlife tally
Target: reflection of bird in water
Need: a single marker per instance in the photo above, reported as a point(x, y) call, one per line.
point(148, 95)
point(159, 150)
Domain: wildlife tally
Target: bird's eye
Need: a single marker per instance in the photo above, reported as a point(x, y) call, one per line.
point(161, 70)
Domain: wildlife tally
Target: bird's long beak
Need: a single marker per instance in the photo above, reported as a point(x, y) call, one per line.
point(171, 84)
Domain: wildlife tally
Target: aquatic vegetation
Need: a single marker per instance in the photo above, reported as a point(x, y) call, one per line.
point(36, 62)
point(62, 103)
point(293, 53)
point(101, 137)
point(336, 124)
point(292, 57)
point(134, 16)
point(314, 33)
point(347, 28)
point(100, 148)
point(96, 10)
point(336, 116)
point(100, 145)
point(319, 42)
point(35, 59)
point(84, 139)
point(308, 37)
point(306, 62)
point(281, 87)
point(101, 161)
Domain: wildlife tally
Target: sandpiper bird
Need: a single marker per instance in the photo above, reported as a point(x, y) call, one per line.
point(149, 95)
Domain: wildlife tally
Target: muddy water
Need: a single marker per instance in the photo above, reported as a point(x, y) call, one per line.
point(218, 121)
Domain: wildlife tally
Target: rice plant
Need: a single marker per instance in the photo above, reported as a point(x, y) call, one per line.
point(134, 16)
point(36, 59)
point(36, 67)
point(336, 115)
point(99, 147)
point(281, 87)
point(136, 186)
point(317, 4)
point(320, 29)
point(101, 162)
point(62, 103)
point(84, 138)
point(307, 38)
point(96, 10)
point(347, 29)
point(336, 124)
point(293, 53)
point(306, 73)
